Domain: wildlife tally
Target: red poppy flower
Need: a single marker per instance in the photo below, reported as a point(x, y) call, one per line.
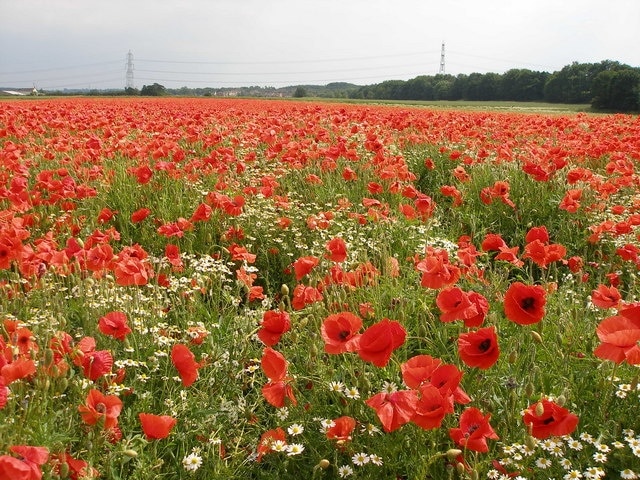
point(446, 378)
point(339, 332)
point(378, 342)
point(418, 370)
point(274, 324)
point(277, 390)
point(342, 429)
point(18, 369)
point(4, 392)
point(12, 468)
point(431, 408)
point(479, 348)
point(202, 213)
point(474, 430)
point(337, 250)
point(454, 304)
point(394, 409)
point(619, 338)
point(524, 304)
point(172, 253)
point(139, 215)
point(436, 270)
point(100, 408)
point(605, 297)
point(303, 296)
point(267, 440)
point(492, 241)
point(546, 418)
point(156, 427)
point(114, 324)
point(303, 265)
point(537, 233)
point(185, 362)
point(105, 215)
point(33, 458)
point(97, 363)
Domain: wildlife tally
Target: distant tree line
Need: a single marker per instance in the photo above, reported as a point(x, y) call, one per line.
point(607, 85)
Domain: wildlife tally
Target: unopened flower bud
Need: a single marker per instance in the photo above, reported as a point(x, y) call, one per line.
point(130, 453)
point(531, 442)
point(561, 400)
point(48, 357)
point(453, 453)
point(324, 464)
point(513, 356)
point(539, 409)
point(536, 336)
point(284, 290)
point(460, 468)
point(528, 389)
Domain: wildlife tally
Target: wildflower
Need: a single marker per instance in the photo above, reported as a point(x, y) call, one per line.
point(543, 463)
point(339, 429)
point(267, 439)
point(474, 430)
point(337, 387)
point(352, 393)
point(114, 324)
point(279, 446)
point(565, 463)
point(619, 336)
point(573, 474)
point(551, 420)
point(277, 390)
point(192, 462)
point(274, 324)
point(375, 459)
point(303, 265)
point(594, 473)
point(339, 332)
point(378, 342)
point(156, 426)
point(574, 444)
point(294, 449)
point(345, 471)
point(628, 474)
point(360, 459)
point(600, 457)
point(99, 408)
point(524, 304)
point(295, 429)
point(479, 348)
point(337, 250)
point(184, 361)
point(394, 409)
point(418, 369)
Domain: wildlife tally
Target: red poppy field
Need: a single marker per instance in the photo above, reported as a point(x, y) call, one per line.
point(206, 288)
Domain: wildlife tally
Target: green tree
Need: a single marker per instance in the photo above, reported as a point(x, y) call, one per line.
point(155, 90)
point(617, 90)
point(300, 92)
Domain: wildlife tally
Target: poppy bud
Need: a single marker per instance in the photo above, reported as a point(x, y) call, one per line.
point(561, 400)
point(64, 470)
point(63, 383)
point(513, 356)
point(531, 442)
point(48, 357)
point(460, 468)
point(324, 464)
point(528, 389)
point(536, 336)
point(284, 290)
point(453, 453)
point(474, 475)
point(130, 453)
point(539, 409)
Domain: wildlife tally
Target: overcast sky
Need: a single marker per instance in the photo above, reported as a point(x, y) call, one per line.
point(56, 44)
